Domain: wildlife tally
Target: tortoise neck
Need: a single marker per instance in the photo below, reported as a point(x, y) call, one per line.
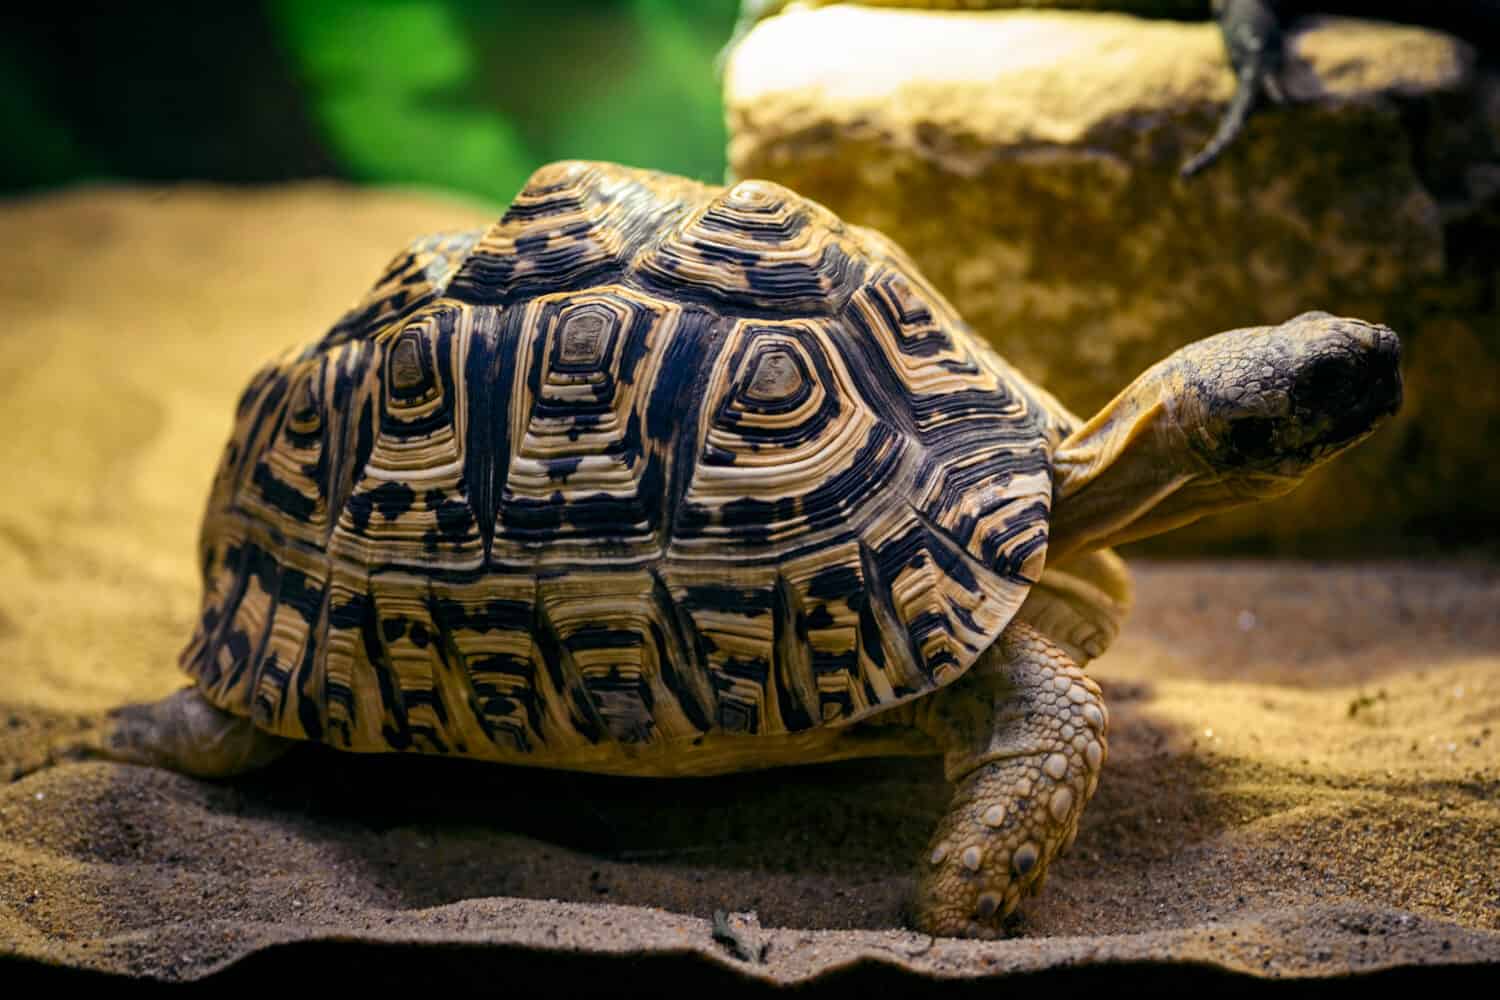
point(1130, 472)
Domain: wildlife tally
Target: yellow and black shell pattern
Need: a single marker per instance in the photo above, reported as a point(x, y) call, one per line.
point(646, 461)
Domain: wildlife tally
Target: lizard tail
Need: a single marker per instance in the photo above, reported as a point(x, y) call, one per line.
point(1233, 122)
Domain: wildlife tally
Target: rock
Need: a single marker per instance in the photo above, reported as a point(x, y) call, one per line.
point(1028, 161)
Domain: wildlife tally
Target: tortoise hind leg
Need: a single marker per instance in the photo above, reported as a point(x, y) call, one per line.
point(182, 732)
point(1025, 733)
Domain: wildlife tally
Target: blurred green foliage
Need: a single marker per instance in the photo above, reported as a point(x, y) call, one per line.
point(458, 94)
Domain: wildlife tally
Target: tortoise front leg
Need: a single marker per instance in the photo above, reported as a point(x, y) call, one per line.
point(182, 732)
point(1026, 738)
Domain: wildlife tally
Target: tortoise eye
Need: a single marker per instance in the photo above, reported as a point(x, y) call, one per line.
point(1253, 437)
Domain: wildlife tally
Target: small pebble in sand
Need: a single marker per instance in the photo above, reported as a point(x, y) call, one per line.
point(1246, 620)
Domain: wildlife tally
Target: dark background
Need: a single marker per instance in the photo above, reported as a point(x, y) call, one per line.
point(464, 95)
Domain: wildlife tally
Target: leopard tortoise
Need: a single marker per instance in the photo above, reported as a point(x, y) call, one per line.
point(658, 478)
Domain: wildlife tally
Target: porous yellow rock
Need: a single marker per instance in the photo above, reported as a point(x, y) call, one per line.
point(1028, 161)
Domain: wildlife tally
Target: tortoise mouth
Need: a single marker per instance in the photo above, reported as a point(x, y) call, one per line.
point(1263, 484)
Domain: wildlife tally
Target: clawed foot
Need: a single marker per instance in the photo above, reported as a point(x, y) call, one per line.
point(1017, 805)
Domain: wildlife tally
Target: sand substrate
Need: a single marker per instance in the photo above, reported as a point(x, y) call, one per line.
point(1302, 783)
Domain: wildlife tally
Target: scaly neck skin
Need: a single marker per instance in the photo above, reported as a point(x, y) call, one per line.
point(1132, 471)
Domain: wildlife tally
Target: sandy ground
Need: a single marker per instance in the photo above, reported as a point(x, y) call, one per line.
point(1304, 771)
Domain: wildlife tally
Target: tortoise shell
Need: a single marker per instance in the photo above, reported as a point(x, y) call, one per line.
point(645, 461)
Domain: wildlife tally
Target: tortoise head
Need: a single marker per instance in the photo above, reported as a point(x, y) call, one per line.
point(1263, 407)
point(1235, 418)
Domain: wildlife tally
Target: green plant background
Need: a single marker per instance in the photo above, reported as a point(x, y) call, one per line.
point(463, 95)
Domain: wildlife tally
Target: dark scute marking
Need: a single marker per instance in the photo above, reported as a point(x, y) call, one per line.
point(270, 401)
point(392, 500)
point(714, 455)
point(239, 557)
point(1006, 558)
point(680, 649)
point(263, 710)
point(594, 636)
point(692, 520)
point(584, 717)
point(431, 698)
point(723, 253)
point(496, 702)
point(870, 633)
point(393, 628)
point(560, 469)
point(735, 717)
point(600, 514)
point(208, 622)
point(455, 522)
point(754, 519)
point(549, 645)
point(265, 570)
point(304, 439)
point(964, 616)
point(399, 736)
point(635, 348)
point(302, 594)
point(839, 663)
point(535, 520)
point(283, 496)
point(489, 375)
point(878, 618)
point(820, 617)
point(878, 384)
point(428, 739)
point(952, 561)
point(309, 712)
point(752, 668)
point(796, 696)
point(350, 615)
point(716, 597)
point(420, 637)
point(360, 506)
point(496, 615)
point(414, 276)
point(675, 408)
point(839, 582)
point(534, 243)
point(238, 644)
point(828, 505)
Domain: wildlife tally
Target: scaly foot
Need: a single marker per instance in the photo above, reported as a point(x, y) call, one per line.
point(1020, 790)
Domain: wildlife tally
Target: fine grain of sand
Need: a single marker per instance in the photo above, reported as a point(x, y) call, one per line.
point(1304, 759)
